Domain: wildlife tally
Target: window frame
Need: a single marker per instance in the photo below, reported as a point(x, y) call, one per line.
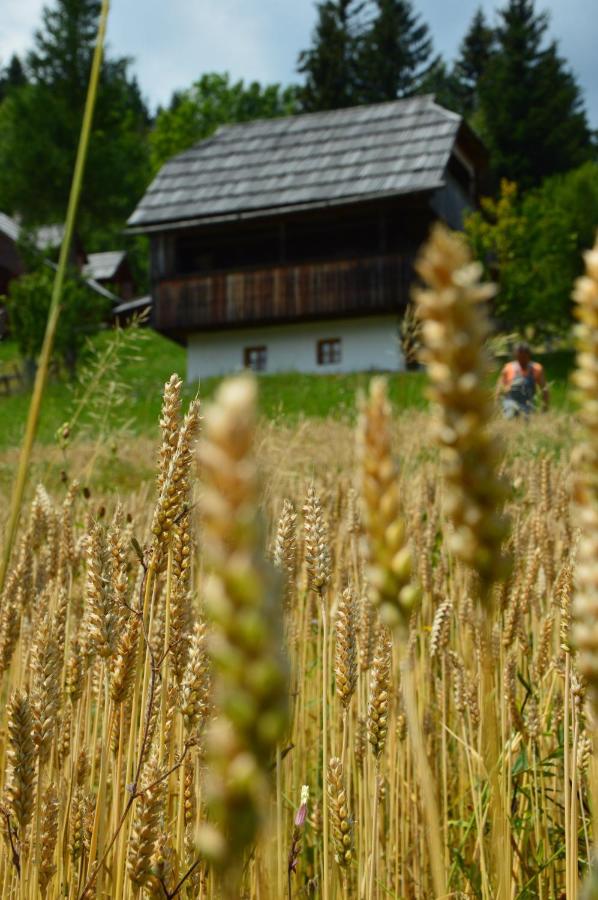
point(329, 351)
point(257, 354)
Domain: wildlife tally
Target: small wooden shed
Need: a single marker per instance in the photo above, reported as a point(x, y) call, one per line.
point(112, 270)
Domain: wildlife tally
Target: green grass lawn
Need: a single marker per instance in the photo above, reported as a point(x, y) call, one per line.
point(142, 375)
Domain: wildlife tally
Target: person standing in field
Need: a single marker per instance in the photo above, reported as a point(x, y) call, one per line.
point(518, 383)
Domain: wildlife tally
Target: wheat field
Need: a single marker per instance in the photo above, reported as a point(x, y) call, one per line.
point(311, 662)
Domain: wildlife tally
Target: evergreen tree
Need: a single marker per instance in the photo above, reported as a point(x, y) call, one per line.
point(64, 45)
point(475, 53)
point(534, 120)
point(442, 82)
point(13, 76)
point(329, 64)
point(41, 122)
point(395, 53)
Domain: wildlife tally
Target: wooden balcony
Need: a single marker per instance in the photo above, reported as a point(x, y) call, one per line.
point(279, 294)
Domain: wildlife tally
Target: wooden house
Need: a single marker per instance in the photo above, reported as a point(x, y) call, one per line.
point(288, 244)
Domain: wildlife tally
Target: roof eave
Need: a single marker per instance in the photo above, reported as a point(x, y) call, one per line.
point(265, 212)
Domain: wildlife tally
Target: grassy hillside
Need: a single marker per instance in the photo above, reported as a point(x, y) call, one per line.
point(126, 395)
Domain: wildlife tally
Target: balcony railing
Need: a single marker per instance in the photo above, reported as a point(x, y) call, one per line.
point(282, 293)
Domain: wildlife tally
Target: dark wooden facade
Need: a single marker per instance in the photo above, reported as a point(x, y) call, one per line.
point(123, 283)
point(265, 296)
point(343, 262)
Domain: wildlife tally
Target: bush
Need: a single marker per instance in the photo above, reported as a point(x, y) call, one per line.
point(532, 246)
point(28, 302)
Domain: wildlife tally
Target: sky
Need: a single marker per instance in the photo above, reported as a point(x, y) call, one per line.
point(172, 43)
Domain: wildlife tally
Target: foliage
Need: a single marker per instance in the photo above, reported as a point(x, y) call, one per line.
point(440, 80)
point(497, 235)
point(213, 101)
point(475, 53)
point(103, 236)
point(100, 408)
point(534, 121)
point(532, 245)
point(28, 302)
point(11, 76)
point(394, 53)
point(364, 51)
point(329, 64)
point(40, 124)
point(518, 93)
point(510, 81)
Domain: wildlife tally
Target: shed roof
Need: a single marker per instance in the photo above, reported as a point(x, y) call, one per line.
point(9, 227)
point(103, 266)
point(271, 165)
point(127, 306)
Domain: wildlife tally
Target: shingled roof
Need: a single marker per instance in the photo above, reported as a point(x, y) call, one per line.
point(318, 159)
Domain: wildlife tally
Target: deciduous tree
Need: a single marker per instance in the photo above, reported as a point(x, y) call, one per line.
point(213, 101)
point(532, 245)
point(28, 302)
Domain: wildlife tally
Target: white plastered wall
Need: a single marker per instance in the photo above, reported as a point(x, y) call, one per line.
point(367, 344)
